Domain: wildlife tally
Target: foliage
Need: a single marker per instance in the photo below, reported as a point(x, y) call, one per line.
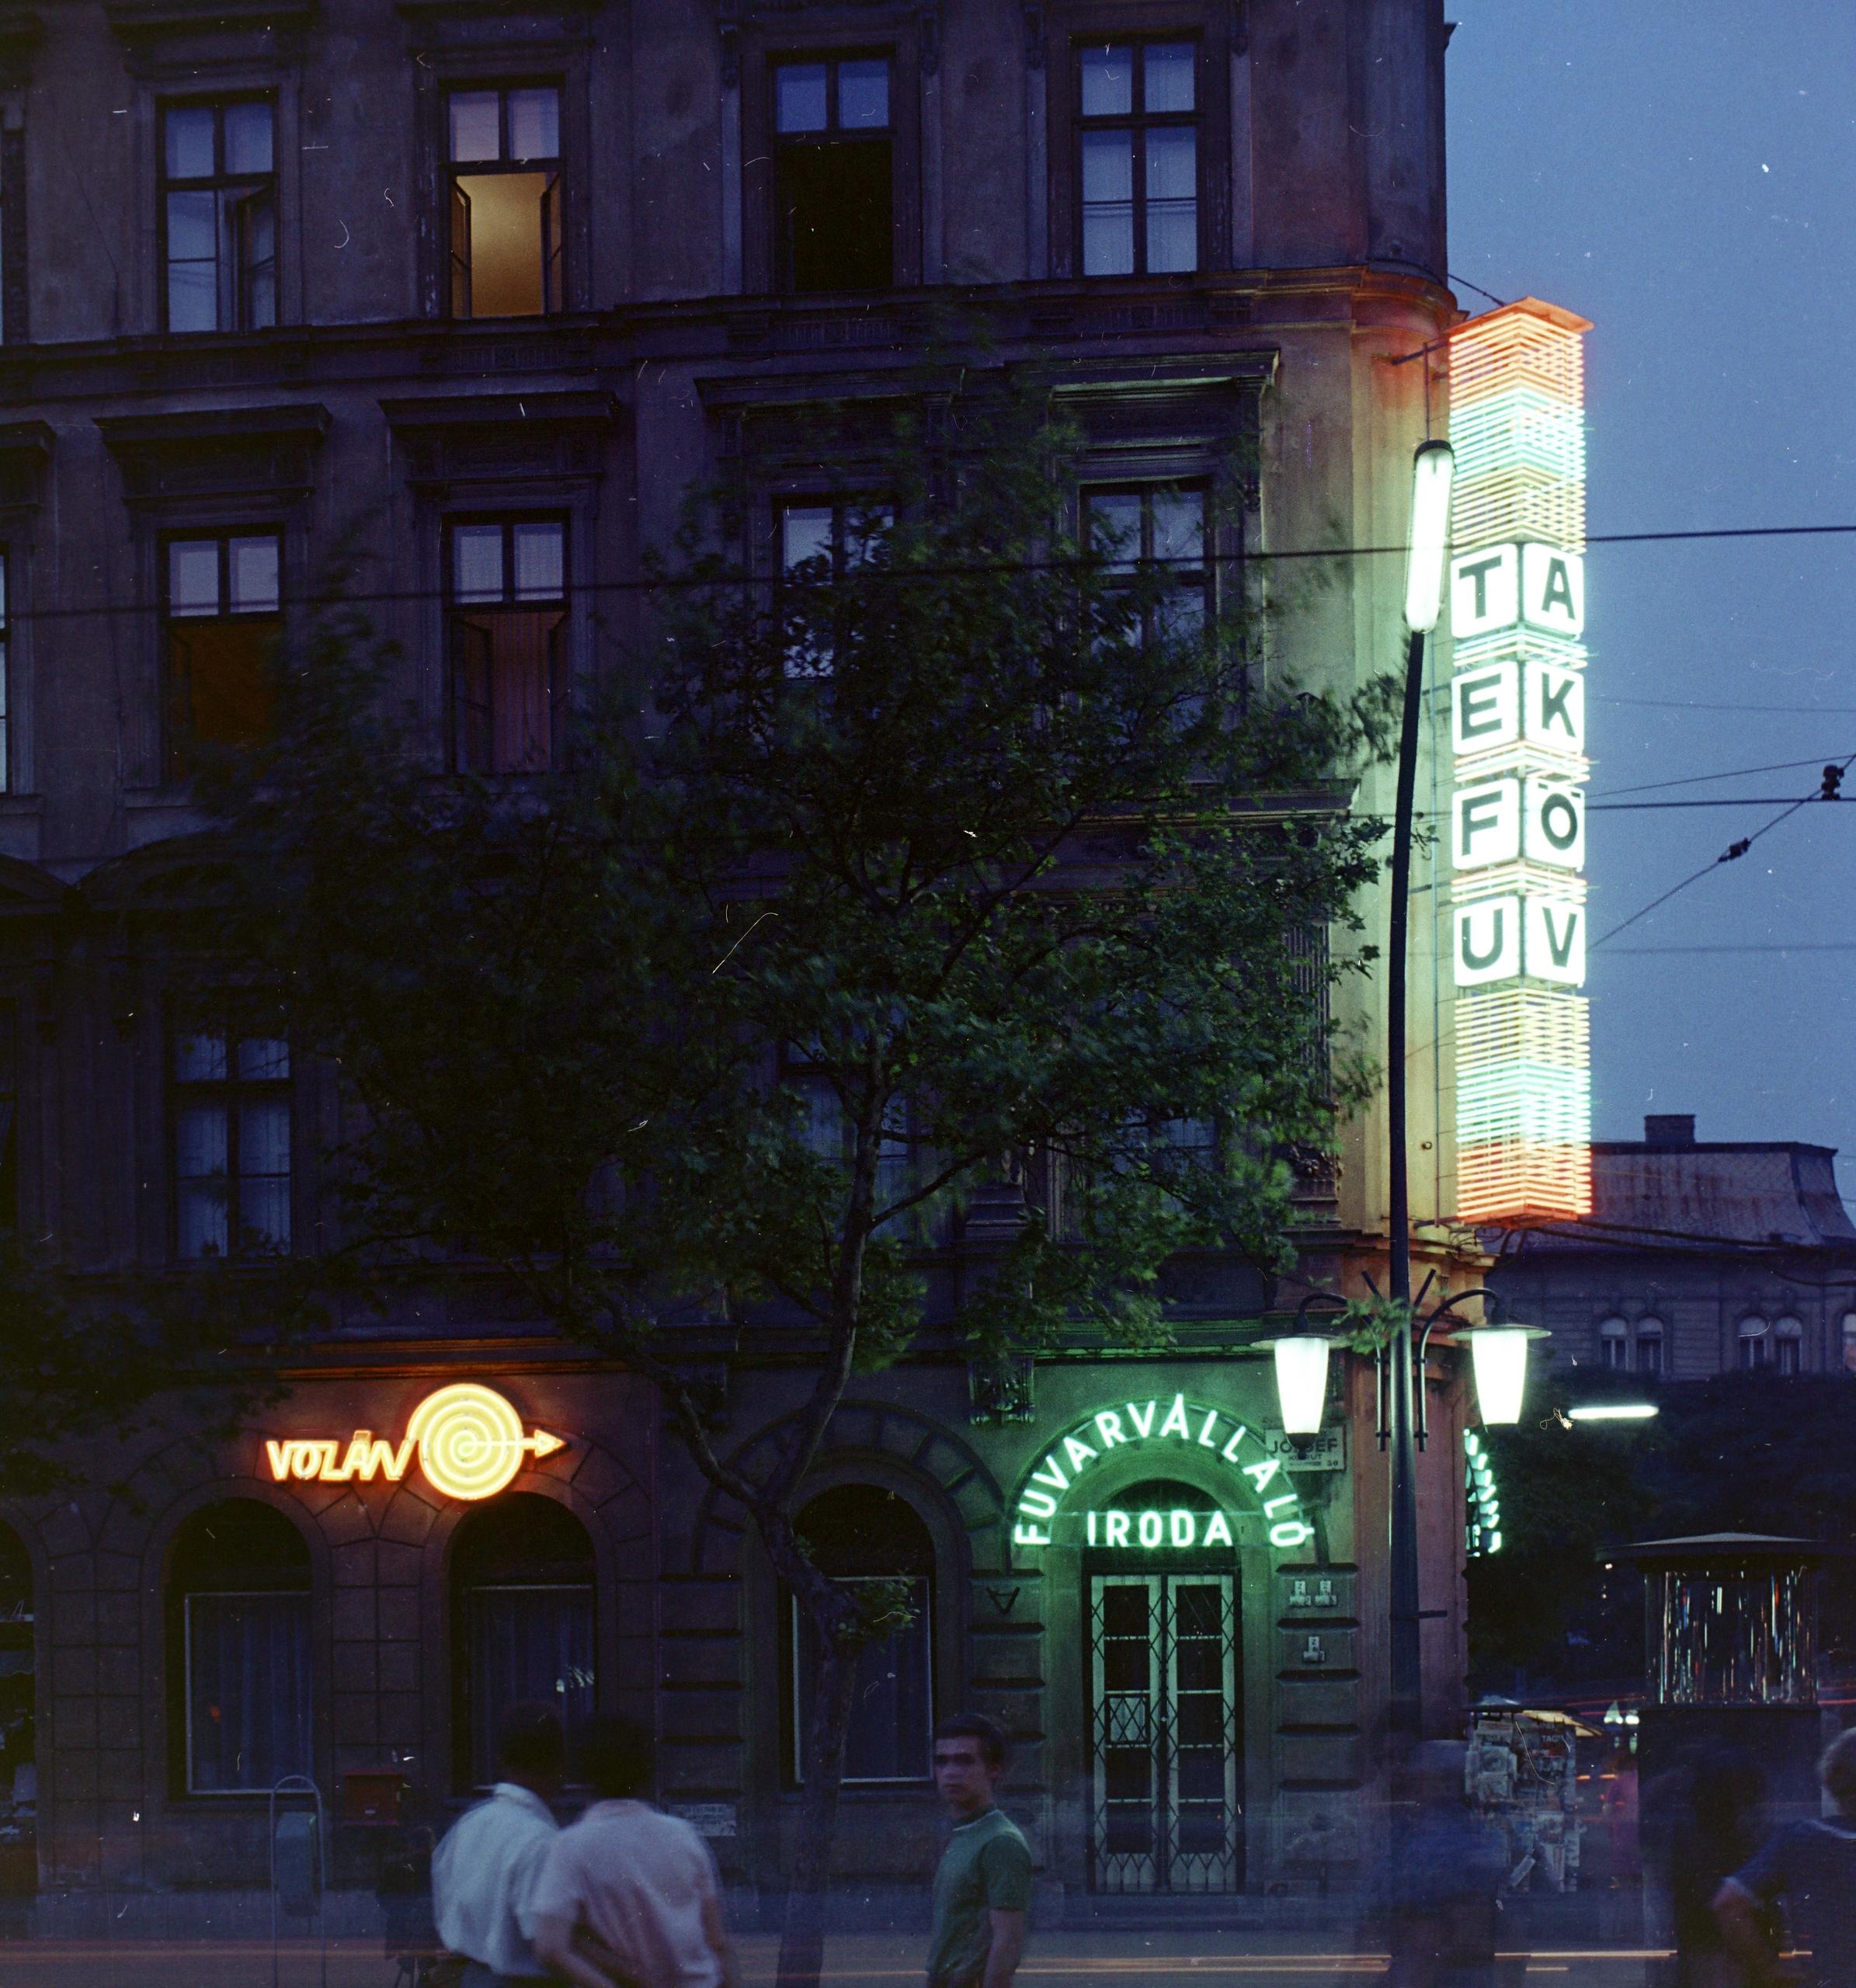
point(958, 856)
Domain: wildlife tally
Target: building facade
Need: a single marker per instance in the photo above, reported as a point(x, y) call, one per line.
point(1699, 1257)
point(475, 293)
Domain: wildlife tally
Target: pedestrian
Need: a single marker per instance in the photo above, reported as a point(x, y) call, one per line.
point(1701, 1822)
point(982, 1889)
point(628, 1895)
point(1808, 1869)
point(483, 1871)
point(1434, 1901)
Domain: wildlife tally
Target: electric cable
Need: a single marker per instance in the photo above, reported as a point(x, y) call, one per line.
point(1696, 779)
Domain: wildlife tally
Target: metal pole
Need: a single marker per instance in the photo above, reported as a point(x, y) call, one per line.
point(1406, 1708)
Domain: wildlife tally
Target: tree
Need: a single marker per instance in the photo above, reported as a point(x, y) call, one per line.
point(961, 852)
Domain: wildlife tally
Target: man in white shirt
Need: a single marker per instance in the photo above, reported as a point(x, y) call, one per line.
point(483, 1872)
point(628, 1895)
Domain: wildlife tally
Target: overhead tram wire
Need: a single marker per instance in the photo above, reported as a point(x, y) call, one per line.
point(1698, 779)
point(966, 570)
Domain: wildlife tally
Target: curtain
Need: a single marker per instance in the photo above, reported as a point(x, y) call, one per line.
point(527, 1645)
point(247, 1691)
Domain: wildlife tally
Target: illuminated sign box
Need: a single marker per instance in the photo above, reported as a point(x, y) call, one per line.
point(470, 1442)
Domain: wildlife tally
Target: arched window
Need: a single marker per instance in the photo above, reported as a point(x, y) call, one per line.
point(1788, 1345)
point(239, 1584)
point(19, 1776)
point(1754, 1343)
point(864, 1536)
point(1650, 1347)
point(1614, 1343)
point(522, 1619)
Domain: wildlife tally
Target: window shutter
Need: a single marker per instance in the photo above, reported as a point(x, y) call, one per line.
point(460, 252)
point(553, 231)
point(475, 654)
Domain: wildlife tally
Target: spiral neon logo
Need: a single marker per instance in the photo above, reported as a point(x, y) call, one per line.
point(470, 1443)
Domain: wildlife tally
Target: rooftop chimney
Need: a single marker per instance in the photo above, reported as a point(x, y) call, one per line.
point(1669, 1130)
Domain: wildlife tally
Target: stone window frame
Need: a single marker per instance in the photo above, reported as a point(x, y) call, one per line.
point(894, 31)
point(1071, 24)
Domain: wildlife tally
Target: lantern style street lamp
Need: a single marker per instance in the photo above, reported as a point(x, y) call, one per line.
point(1301, 1383)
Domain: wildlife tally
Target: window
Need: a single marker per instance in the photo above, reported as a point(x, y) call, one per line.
point(860, 1534)
point(1753, 1342)
point(1787, 1346)
point(834, 174)
point(522, 1613)
point(1138, 135)
point(507, 226)
point(1157, 532)
point(509, 643)
point(1650, 1347)
point(219, 216)
point(1614, 1344)
point(18, 1771)
point(223, 604)
point(231, 1108)
point(1849, 1342)
point(240, 1597)
point(818, 543)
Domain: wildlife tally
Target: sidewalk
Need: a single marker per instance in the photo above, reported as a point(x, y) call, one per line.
point(1152, 1959)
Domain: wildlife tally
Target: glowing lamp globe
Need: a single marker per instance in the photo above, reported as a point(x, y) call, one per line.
point(1301, 1383)
point(1499, 1354)
point(1433, 470)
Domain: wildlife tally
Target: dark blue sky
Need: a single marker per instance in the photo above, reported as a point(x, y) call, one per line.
point(1683, 173)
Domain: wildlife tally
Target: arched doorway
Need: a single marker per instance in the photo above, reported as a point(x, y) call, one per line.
point(19, 1769)
point(239, 1586)
point(1162, 1634)
point(522, 1624)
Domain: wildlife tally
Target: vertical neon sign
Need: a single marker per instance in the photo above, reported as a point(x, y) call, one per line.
point(1518, 734)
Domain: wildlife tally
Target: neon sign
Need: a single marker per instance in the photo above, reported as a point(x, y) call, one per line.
point(1517, 733)
point(470, 1442)
point(1193, 1426)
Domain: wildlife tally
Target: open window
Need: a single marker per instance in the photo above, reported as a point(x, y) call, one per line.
point(507, 226)
point(1138, 157)
point(870, 1537)
point(239, 1620)
point(835, 173)
point(522, 1618)
point(219, 216)
point(509, 643)
point(224, 596)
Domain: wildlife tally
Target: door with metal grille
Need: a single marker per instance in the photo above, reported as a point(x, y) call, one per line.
point(1165, 1725)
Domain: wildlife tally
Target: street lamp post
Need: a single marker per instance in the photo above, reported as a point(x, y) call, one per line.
point(1431, 472)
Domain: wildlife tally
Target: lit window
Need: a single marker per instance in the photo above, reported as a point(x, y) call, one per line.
point(224, 594)
point(1137, 132)
point(509, 630)
point(240, 1592)
point(230, 1093)
point(1753, 1343)
point(523, 1623)
point(861, 1536)
point(219, 216)
point(1614, 1343)
point(834, 174)
point(507, 226)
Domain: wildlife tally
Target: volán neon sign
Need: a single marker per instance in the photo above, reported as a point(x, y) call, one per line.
point(1195, 1426)
point(470, 1442)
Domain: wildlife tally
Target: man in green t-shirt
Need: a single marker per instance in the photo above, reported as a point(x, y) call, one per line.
point(983, 1884)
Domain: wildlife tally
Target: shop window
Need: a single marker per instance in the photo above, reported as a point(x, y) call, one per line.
point(864, 1536)
point(1649, 1347)
point(1614, 1344)
point(1152, 530)
point(1787, 1346)
point(522, 1615)
point(835, 173)
point(507, 226)
point(508, 580)
point(223, 595)
point(1138, 157)
point(219, 216)
point(239, 1589)
point(818, 543)
point(19, 1769)
point(230, 1091)
point(1754, 1344)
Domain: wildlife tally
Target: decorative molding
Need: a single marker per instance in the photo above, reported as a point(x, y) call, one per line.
point(204, 453)
point(502, 438)
point(25, 450)
point(165, 40)
point(469, 24)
